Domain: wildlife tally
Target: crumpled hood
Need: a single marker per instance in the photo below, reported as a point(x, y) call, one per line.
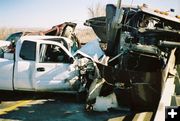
point(91, 50)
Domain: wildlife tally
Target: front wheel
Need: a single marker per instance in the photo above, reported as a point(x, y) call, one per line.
point(81, 96)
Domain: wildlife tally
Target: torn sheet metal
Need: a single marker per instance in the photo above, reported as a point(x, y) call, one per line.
point(141, 43)
point(93, 51)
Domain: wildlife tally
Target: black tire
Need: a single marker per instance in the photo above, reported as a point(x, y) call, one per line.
point(81, 96)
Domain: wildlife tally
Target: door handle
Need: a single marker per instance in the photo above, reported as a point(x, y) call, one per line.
point(41, 69)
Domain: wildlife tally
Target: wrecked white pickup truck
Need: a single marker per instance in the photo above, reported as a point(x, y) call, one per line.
point(45, 63)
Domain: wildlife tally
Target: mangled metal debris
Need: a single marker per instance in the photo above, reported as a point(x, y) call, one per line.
point(49, 64)
point(66, 29)
point(143, 45)
point(142, 49)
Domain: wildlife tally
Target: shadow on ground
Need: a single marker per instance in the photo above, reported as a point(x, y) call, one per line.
point(54, 107)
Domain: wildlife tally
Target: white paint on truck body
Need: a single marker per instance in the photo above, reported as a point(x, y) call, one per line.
point(4, 43)
point(6, 74)
point(31, 69)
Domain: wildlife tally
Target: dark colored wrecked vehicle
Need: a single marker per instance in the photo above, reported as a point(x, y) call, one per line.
point(143, 45)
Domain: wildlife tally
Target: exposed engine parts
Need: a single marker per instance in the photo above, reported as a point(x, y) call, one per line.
point(143, 44)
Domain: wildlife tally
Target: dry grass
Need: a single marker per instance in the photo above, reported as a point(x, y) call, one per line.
point(84, 35)
point(97, 10)
point(4, 32)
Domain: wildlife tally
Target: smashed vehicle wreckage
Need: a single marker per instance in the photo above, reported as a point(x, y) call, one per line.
point(65, 29)
point(48, 62)
point(144, 47)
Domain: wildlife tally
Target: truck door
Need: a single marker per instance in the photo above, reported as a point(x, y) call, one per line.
point(25, 65)
point(55, 71)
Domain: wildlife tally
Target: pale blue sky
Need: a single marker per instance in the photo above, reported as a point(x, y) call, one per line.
point(46, 13)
